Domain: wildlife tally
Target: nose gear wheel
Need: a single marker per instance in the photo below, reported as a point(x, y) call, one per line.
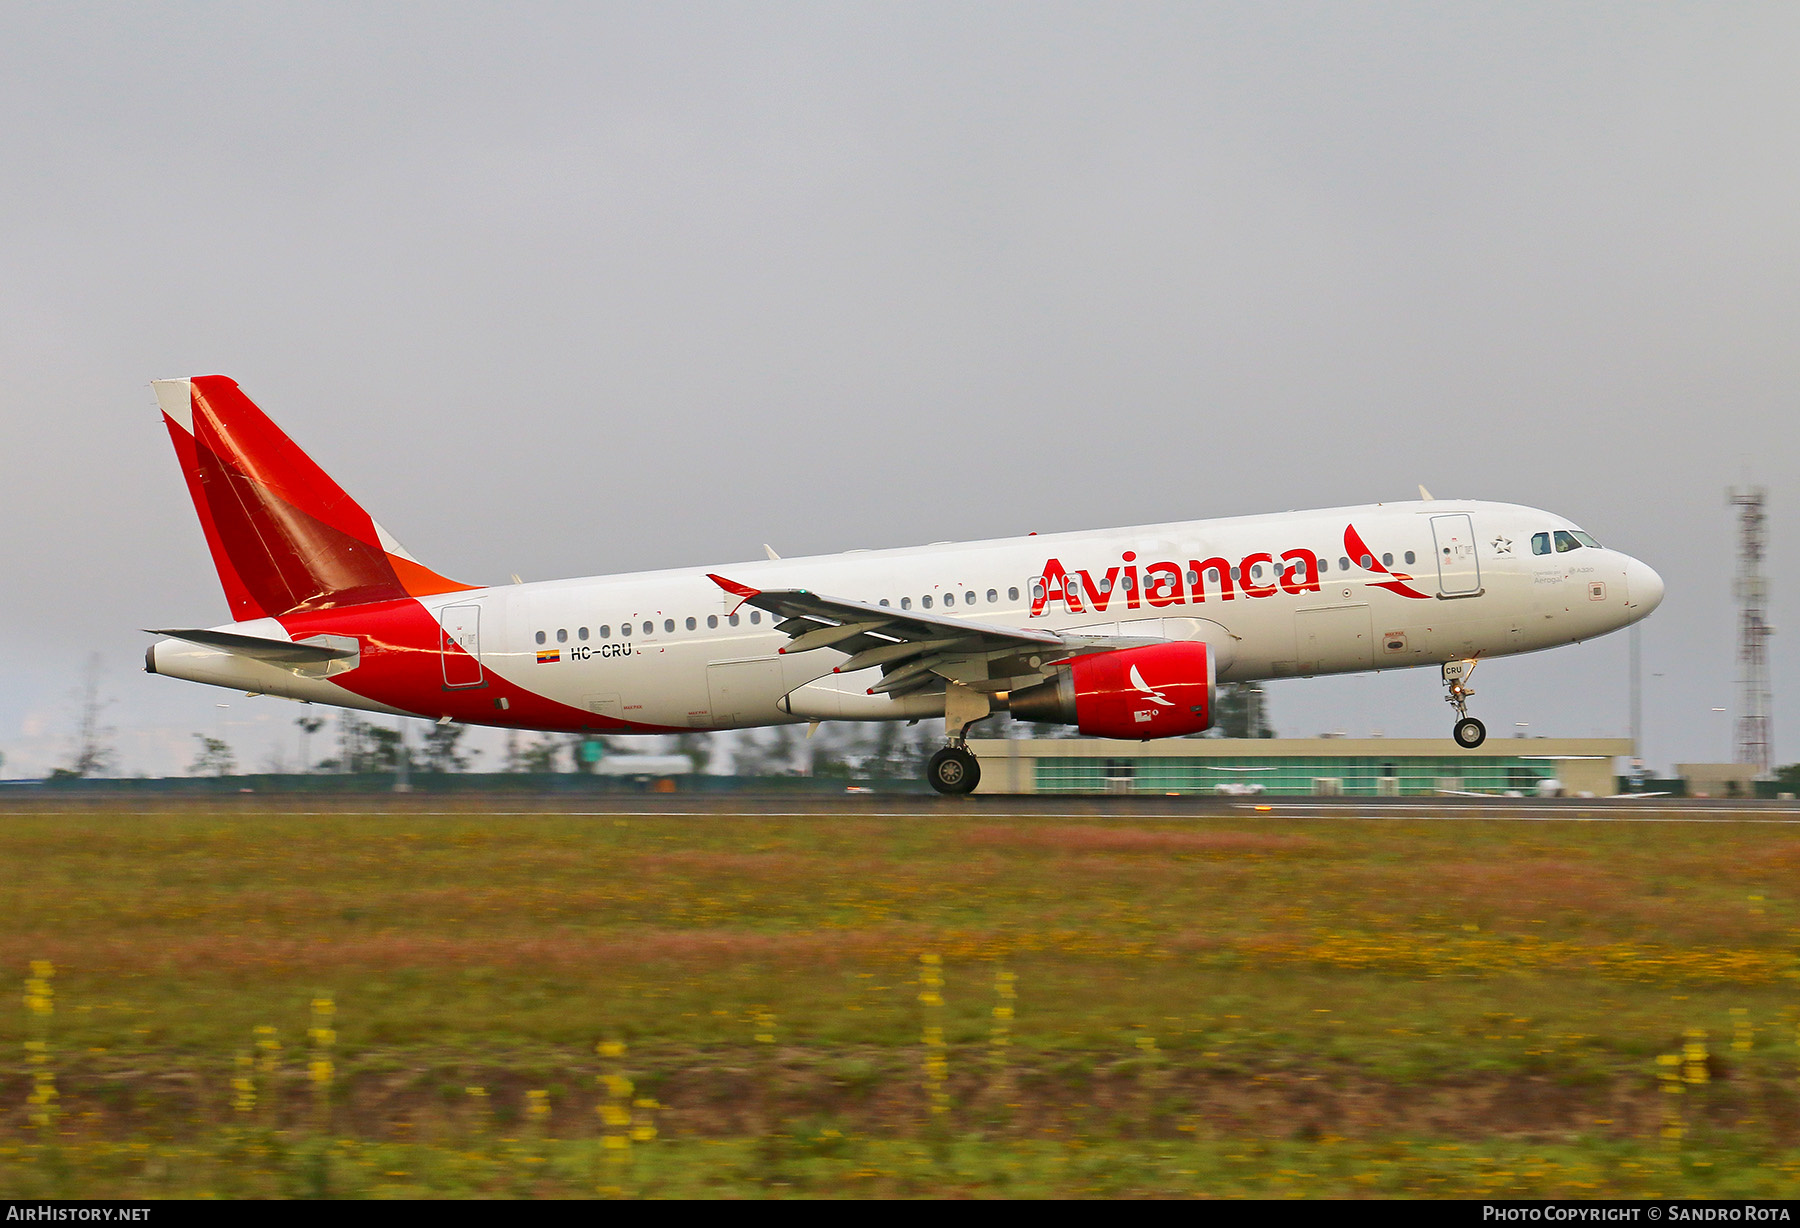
point(1468, 732)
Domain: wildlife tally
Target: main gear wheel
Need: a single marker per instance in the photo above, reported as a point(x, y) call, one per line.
point(953, 770)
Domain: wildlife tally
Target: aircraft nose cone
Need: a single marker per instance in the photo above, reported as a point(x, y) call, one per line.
point(1643, 587)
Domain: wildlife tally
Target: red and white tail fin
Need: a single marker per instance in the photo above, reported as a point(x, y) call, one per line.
point(283, 535)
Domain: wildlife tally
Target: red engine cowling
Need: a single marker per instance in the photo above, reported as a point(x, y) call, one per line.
point(1159, 691)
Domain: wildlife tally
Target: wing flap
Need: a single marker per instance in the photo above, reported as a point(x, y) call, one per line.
point(799, 603)
point(917, 648)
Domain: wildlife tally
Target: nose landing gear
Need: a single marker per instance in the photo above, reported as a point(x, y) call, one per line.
point(1468, 732)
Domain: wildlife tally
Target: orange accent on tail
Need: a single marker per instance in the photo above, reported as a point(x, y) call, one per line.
point(420, 581)
point(283, 535)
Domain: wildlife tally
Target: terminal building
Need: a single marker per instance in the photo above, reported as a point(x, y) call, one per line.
point(1348, 767)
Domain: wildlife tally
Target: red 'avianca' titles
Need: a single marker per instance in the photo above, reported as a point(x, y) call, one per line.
point(1166, 583)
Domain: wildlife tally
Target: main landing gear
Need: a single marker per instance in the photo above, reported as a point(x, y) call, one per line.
point(954, 769)
point(1468, 732)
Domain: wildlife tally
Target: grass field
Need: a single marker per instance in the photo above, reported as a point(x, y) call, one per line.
point(241, 1001)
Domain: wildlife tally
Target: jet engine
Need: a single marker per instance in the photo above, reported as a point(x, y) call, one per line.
point(1159, 691)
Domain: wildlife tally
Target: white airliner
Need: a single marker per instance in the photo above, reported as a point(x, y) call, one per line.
point(1124, 633)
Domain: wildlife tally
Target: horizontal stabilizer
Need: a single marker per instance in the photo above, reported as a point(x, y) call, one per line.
point(278, 652)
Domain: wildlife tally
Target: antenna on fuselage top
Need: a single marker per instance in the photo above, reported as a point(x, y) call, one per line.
point(1425, 494)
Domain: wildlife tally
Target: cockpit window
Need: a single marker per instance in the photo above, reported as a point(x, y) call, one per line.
point(1566, 542)
point(1540, 543)
point(1586, 540)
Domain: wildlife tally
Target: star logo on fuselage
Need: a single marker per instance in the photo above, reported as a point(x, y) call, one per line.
point(1502, 545)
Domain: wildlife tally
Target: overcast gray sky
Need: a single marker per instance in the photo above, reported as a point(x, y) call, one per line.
point(562, 290)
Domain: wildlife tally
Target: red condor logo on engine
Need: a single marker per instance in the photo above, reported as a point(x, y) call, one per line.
point(1167, 583)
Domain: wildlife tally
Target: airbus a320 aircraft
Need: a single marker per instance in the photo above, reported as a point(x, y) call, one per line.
point(1124, 633)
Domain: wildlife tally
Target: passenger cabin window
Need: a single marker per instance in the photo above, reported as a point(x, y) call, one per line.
point(1368, 563)
point(1540, 543)
point(884, 601)
point(1387, 560)
point(669, 625)
point(712, 620)
point(1324, 564)
point(732, 619)
point(581, 633)
point(994, 595)
point(1037, 592)
point(1343, 564)
point(949, 598)
point(755, 617)
point(691, 624)
point(906, 603)
point(969, 598)
point(649, 628)
point(1566, 542)
point(605, 632)
point(1256, 572)
point(925, 601)
point(562, 635)
point(540, 637)
point(1193, 577)
point(1411, 557)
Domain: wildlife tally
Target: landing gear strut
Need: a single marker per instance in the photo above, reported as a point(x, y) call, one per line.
point(1468, 732)
point(954, 769)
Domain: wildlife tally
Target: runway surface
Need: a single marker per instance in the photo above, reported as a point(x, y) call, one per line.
point(904, 806)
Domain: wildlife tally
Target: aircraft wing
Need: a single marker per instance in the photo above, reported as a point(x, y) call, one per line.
point(917, 648)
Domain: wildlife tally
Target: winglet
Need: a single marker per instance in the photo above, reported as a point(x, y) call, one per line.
point(743, 592)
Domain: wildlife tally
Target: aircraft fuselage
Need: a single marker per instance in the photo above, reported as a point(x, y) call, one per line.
point(1340, 590)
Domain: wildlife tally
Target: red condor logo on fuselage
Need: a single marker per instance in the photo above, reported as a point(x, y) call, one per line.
point(1167, 583)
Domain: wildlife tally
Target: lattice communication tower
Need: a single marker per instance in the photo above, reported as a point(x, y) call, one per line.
point(1752, 593)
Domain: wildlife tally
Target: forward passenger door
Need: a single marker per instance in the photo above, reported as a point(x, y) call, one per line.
point(1459, 571)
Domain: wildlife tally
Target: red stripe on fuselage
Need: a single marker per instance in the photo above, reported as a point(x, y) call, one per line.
point(401, 667)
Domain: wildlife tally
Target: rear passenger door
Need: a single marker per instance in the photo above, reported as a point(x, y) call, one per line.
point(459, 646)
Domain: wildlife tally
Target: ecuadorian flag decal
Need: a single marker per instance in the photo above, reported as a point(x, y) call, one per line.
point(549, 656)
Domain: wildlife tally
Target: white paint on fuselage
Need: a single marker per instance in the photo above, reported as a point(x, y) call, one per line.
point(734, 676)
point(1527, 602)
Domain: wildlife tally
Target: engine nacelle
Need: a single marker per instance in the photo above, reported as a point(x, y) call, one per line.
point(1159, 691)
